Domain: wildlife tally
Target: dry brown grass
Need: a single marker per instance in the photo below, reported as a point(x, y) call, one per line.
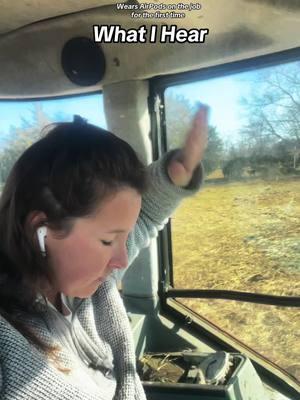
point(244, 236)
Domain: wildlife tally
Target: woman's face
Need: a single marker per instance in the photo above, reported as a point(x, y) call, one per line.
point(95, 246)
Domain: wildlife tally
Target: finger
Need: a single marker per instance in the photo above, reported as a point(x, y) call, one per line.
point(196, 140)
point(201, 117)
point(199, 128)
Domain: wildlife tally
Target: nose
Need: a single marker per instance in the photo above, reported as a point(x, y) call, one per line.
point(119, 260)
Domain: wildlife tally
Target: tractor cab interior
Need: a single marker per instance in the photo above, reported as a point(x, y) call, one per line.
point(213, 301)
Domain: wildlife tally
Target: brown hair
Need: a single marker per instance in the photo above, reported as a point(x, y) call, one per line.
point(65, 175)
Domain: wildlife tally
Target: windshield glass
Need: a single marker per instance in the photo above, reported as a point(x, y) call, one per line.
point(242, 231)
point(22, 122)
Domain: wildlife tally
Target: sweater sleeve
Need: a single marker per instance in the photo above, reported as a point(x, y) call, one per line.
point(1, 379)
point(159, 203)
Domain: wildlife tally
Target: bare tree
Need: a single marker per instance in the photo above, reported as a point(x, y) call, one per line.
point(273, 111)
point(21, 138)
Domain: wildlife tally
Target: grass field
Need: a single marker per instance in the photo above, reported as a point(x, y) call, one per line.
point(244, 236)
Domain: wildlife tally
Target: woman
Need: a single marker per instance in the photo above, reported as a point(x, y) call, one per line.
point(78, 207)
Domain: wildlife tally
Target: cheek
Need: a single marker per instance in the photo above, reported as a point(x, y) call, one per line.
point(79, 262)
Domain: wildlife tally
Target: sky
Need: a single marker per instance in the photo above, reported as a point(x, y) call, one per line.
point(223, 96)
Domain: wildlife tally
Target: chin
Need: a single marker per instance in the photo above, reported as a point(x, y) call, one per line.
point(88, 292)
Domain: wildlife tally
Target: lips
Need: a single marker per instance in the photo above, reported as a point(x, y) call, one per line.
point(103, 278)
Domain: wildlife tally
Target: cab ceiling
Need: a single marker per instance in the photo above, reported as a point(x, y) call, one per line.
point(33, 33)
point(20, 13)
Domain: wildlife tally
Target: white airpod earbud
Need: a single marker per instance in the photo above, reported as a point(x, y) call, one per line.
point(41, 234)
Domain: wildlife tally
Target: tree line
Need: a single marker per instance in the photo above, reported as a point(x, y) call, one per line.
point(21, 137)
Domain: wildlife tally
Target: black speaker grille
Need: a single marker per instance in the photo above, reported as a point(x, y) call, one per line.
point(83, 61)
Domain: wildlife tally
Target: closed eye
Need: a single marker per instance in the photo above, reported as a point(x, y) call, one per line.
point(106, 243)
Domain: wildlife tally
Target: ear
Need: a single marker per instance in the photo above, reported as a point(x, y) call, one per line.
point(35, 219)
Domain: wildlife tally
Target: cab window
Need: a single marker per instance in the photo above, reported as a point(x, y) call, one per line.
point(22, 122)
point(241, 233)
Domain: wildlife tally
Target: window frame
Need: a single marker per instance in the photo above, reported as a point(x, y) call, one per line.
point(54, 97)
point(167, 293)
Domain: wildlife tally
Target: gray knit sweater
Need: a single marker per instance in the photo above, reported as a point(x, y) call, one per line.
point(97, 345)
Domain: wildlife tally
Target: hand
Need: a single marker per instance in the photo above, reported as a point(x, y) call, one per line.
point(182, 165)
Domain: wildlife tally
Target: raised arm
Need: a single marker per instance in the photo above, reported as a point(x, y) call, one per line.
point(175, 176)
